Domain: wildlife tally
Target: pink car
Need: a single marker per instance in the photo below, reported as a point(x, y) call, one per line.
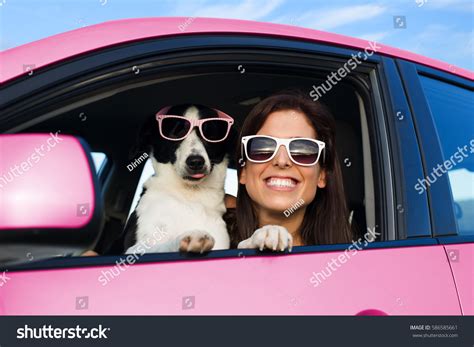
point(70, 108)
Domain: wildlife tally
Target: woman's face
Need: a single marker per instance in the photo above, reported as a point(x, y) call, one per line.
point(277, 185)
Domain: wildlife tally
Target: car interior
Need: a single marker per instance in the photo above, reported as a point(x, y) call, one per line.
point(109, 122)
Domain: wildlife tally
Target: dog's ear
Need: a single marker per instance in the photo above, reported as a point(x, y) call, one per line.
point(144, 138)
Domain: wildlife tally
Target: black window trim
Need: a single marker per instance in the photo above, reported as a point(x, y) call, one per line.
point(439, 195)
point(412, 209)
point(119, 59)
point(150, 258)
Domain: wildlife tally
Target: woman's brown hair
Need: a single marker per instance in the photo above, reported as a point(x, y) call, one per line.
point(326, 217)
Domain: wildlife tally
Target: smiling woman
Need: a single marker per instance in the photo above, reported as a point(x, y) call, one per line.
point(288, 157)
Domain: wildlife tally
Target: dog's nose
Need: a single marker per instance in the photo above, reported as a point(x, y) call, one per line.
point(195, 162)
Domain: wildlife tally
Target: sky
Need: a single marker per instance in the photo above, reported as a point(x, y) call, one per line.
point(439, 29)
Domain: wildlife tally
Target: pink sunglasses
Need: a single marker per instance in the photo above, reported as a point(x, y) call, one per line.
point(177, 128)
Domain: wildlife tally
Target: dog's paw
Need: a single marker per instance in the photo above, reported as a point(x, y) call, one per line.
point(274, 237)
point(196, 242)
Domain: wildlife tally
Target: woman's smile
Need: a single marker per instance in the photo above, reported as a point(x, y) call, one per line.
point(281, 183)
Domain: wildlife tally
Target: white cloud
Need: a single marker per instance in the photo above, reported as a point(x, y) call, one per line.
point(332, 18)
point(248, 9)
point(375, 36)
point(432, 43)
point(463, 5)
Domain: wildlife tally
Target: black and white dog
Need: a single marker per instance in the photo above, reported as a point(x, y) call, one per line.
point(182, 205)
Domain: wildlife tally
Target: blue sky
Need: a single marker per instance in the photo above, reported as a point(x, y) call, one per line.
point(440, 29)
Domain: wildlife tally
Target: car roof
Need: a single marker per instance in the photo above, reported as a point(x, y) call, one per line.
point(59, 47)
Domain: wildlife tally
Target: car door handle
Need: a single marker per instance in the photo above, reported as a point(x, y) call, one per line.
point(371, 312)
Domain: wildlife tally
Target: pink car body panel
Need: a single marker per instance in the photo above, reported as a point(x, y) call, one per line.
point(58, 188)
point(394, 281)
point(462, 265)
point(398, 281)
point(63, 46)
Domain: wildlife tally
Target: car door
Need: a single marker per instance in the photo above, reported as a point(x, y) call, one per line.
point(444, 106)
point(407, 273)
point(372, 281)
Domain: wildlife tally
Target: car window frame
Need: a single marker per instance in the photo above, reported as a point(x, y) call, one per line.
point(376, 68)
point(439, 195)
point(236, 254)
point(412, 208)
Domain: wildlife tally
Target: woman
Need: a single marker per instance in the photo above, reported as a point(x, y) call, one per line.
point(290, 183)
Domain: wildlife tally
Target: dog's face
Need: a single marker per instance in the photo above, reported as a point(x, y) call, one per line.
point(193, 158)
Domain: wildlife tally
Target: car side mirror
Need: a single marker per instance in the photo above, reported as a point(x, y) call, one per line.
point(50, 203)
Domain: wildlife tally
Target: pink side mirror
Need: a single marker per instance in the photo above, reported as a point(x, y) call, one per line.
point(47, 194)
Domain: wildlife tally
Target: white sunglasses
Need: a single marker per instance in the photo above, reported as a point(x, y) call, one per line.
point(301, 150)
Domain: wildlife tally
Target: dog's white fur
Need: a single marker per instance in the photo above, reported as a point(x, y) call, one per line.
point(178, 208)
point(274, 237)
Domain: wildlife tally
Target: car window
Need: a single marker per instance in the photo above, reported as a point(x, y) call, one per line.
point(99, 160)
point(452, 110)
point(230, 185)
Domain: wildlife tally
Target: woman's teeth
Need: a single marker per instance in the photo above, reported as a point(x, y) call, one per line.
point(281, 182)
